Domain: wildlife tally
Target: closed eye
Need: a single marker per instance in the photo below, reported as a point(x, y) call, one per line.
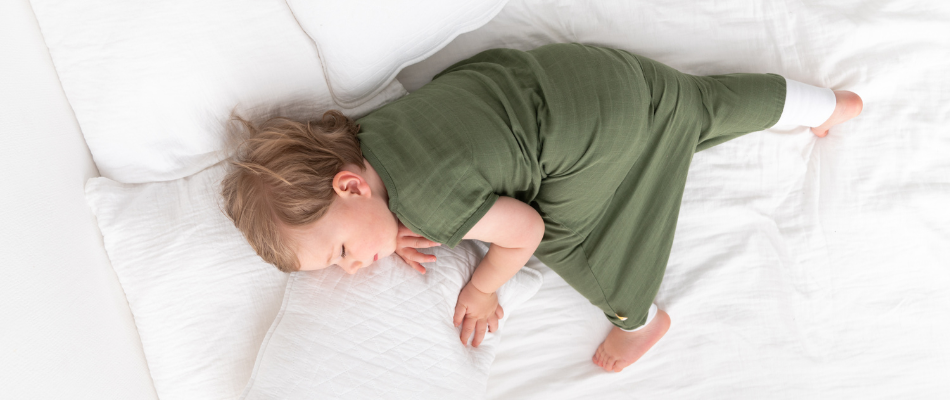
point(343, 251)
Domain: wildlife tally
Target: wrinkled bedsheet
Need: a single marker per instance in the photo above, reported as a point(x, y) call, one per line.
point(802, 267)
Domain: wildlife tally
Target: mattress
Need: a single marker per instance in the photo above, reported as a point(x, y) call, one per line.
point(802, 267)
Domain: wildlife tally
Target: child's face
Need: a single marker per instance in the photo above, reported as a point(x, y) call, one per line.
point(358, 222)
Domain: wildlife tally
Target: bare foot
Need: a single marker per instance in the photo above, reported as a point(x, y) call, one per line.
point(848, 105)
point(621, 349)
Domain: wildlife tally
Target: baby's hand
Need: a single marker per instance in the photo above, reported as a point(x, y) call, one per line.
point(407, 242)
point(476, 311)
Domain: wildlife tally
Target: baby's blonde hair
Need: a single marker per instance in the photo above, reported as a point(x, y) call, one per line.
point(283, 174)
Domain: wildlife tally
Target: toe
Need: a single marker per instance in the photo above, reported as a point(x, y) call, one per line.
point(609, 365)
point(602, 356)
point(619, 366)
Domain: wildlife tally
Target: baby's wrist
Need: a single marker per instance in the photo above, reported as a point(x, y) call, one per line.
point(475, 286)
point(485, 278)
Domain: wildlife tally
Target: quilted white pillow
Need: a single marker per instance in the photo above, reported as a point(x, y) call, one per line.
point(201, 298)
point(364, 43)
point(384, 333)
point(151, 82)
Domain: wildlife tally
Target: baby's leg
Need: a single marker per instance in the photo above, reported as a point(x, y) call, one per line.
point(732, 112)
point(629, 249)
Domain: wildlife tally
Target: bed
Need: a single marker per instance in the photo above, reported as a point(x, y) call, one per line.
point(801, 267)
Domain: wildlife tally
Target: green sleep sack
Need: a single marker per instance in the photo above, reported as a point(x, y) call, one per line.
point(597, 140)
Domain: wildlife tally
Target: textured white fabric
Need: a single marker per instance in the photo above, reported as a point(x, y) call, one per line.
point(364, 43)
point(201, 297)
point(790, 250)
point(802, 267)
point(650, 314)
point(806, 105)
point(385, 332)
point(153, 82)
point(203, 300)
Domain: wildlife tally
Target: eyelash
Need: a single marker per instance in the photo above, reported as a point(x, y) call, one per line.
point(343, 253)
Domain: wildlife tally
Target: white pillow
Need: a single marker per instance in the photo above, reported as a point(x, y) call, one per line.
point(364, 43)
point(201, 298)
point(383, 333)
point(152, 82)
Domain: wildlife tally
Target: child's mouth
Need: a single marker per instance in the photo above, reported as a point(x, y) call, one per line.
point(375, 257)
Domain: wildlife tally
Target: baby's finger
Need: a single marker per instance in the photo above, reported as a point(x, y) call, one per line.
point(492, 323)
point(479, 332)
point(416, 266)
point(413, 257)
point(417, 255)
point(467, 328)
point(422, 243)
point(499, 312)
point(459, 314)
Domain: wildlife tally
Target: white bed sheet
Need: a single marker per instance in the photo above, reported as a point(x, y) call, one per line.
point(802, 267)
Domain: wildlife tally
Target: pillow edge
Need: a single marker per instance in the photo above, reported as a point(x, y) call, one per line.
point(249, 387)
point(360, 99)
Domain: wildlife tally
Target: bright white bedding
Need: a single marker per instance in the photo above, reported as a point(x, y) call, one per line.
point(385, 332)
point(802, 267)
point(153, 82)
point(65, 329)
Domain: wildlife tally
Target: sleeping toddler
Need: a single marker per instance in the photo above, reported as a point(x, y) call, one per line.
point(576, 154)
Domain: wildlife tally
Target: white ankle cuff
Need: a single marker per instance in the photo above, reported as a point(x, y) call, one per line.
point(806, 105)
point(650, 315)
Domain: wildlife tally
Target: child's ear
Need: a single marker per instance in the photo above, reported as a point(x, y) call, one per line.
point(347, 183)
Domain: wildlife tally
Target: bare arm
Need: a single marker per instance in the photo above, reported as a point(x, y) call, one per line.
point(514, 230)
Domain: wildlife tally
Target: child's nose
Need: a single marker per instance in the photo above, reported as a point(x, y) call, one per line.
point(353, 267)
